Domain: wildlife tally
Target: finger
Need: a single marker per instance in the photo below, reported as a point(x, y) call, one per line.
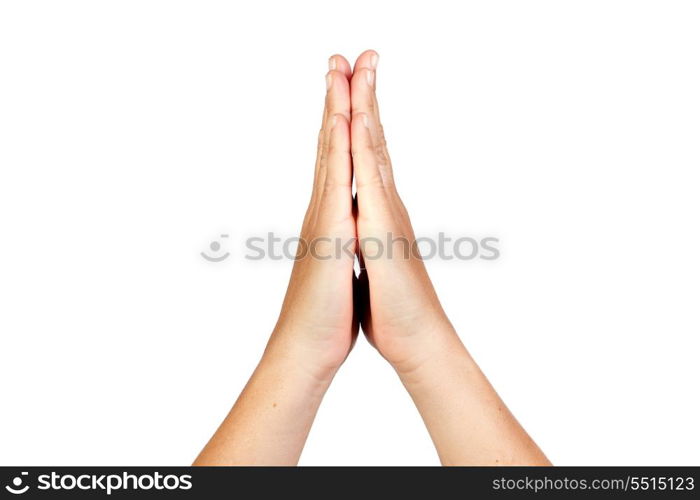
point(363, 84)
point(337, 97)
point(337, 94)
point(364, 100)
point(339, 63)
point(337, 188)
point(337, 101)
point(371, 196)
point(364, 161)
point(339, 166)
point(368, 59)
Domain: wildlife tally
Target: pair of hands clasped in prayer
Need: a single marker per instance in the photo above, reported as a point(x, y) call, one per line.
point(392, 299)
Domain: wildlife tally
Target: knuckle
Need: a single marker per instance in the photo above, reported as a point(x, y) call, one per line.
point(380, 154)
point(332, 150)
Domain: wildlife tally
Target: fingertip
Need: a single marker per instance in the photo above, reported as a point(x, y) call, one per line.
point(359, 130)
point(339, 119)
point(339, 133)
point(362, 119)
point(339, 122)
point(374, 60)
point(363, 79)
point(335, 76)
point(337, 93)
point(368, 59)
point(338, 63)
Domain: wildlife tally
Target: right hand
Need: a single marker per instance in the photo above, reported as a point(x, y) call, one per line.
point(400, 311)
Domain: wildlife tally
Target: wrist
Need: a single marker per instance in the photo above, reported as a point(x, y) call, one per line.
point(412, 343)
point(297, 358)
point(438, 350)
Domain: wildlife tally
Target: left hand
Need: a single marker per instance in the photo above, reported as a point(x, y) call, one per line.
point(317, 325)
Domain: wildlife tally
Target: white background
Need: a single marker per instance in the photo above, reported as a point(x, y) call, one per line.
point(133, 133)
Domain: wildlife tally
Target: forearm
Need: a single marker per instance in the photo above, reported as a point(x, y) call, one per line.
point(272, 417)
point(467, 420)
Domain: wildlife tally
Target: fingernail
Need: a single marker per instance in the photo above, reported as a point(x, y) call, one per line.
point(370, 77)
point(365, 120)
point(374, 60)
point(329, 81)
point(331, 63)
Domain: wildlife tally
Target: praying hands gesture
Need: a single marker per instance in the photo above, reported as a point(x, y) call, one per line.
point(392, 300)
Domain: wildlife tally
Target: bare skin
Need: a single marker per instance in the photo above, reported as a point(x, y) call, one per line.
point(393, 299)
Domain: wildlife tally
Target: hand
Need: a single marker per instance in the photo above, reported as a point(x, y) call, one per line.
point(317, 325)
point(400, 312)
point(316, 329)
